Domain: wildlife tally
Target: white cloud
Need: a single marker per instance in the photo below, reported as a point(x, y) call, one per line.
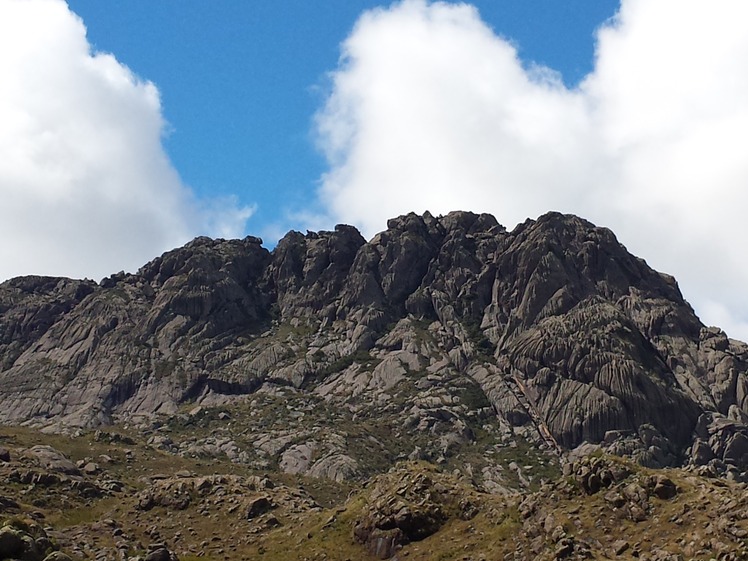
point(429, 109)
point(85, 184)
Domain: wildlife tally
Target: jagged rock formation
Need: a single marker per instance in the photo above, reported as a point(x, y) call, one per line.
point(552, 330)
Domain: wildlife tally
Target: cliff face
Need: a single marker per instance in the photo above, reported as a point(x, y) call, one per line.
point(552, 330)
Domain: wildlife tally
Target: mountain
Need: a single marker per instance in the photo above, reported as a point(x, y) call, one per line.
point(445, 339)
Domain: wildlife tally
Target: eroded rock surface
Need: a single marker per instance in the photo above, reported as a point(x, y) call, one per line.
point(552, 332)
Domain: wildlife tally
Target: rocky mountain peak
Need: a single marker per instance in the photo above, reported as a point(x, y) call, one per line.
point(552, 333)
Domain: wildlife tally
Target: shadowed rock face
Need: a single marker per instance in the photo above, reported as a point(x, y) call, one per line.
point(560, 327)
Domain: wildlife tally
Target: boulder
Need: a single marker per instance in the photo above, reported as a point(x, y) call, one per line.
point(12, 544)
point(58, 556)
point(664, 488)
point(259, 506)
point(52, 459)
point(159, 552)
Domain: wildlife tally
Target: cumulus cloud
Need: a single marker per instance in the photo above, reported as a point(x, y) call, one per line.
point(85, 184)
point(430, 109)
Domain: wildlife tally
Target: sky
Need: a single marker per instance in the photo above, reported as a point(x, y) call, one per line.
point(127, 128)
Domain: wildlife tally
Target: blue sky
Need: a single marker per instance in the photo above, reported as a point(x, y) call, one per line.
point(240, 81)
point(130, 127)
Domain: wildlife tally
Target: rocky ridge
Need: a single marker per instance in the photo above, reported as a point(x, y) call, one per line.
point(440, 338)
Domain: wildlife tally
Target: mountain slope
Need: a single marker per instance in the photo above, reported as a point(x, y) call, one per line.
point(449, 331)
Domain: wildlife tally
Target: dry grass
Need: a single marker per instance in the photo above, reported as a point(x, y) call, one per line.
point(211, 530)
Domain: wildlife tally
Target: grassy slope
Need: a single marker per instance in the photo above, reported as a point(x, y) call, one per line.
point(211, 528)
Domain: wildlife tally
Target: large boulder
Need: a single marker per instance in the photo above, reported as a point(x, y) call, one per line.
point(52, 459)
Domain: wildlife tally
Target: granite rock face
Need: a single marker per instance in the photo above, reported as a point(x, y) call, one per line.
point(553, 328)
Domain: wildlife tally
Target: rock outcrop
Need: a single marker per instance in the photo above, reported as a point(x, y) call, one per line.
point(28, 541)
point(553, 330)
point(408, 506)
